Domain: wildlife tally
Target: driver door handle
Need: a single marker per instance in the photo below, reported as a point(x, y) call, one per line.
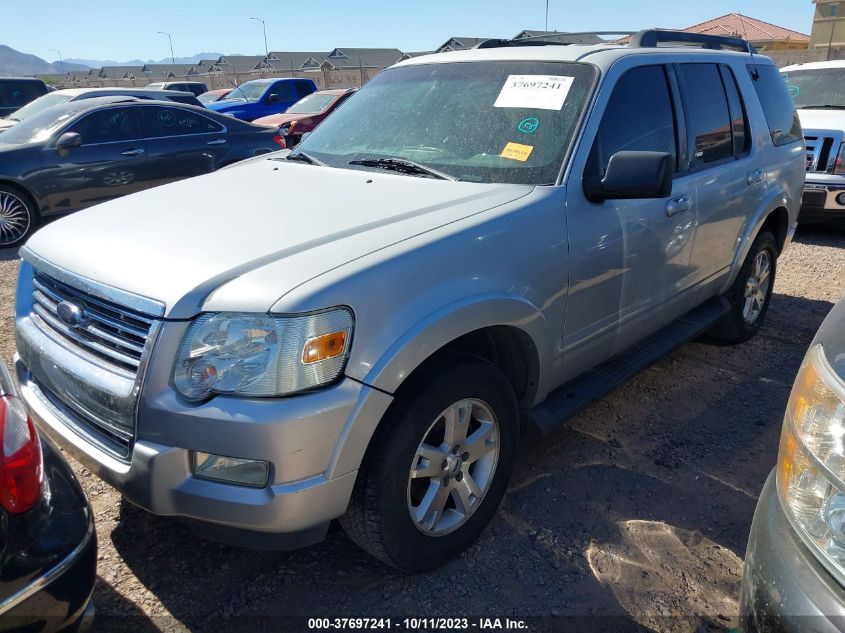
point(218, 141)
point(678, 204)
point(134, 151)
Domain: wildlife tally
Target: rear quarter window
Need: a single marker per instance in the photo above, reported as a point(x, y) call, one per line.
point(16, 94)
point(778, 108)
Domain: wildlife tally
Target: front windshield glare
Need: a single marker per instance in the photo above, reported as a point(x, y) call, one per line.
point(40, 104)
point(38, 127)
point(251, 91)
point(817, 88)
point(491, 122)
point(311, 103)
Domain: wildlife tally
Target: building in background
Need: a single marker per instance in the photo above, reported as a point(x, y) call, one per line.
point(764, 36)
point(828, 25)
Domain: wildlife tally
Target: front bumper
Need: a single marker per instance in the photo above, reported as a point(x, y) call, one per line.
point(784, 587)
point(818, 203)
point(298, 436)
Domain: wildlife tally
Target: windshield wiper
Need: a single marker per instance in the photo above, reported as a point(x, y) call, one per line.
point(402, 166)
point(306, 158)
point(828, 106)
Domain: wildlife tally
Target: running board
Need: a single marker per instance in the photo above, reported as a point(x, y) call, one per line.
point(578, 394)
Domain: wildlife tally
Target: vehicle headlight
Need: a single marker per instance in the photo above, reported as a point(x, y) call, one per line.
point(811, 461)
point(259, 355)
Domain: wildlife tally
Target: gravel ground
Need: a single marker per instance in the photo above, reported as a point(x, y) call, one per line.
point(640, 508)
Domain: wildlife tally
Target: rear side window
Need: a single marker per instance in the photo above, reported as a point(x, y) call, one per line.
point(16, 94)
point(739, 115)
point(304, 88)
point(708, 117)
point(784, 125)
point(283, 90)
point(638, 117)
point(162, 121)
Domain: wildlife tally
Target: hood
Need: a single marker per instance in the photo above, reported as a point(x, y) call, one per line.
point(822, 119)
point(5, 124)
point(180, 242)
point(276, 120)
point(225, 105)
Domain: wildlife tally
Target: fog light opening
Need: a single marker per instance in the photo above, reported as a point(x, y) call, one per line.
point(230, 470)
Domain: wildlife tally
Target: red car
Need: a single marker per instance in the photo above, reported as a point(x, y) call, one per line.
point(214, 95)
point(304, 115)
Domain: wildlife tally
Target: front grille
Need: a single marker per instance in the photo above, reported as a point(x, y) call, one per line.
point(822, 148)
point(111, 333)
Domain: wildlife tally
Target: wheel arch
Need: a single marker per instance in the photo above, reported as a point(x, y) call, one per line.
point(13, 184)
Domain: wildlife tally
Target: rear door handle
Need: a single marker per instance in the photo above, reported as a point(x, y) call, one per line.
point(755, 177)
point(218, 141)
point(677, 205)
point(134, 151)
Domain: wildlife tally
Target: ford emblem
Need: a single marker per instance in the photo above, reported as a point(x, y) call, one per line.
point(69, 313)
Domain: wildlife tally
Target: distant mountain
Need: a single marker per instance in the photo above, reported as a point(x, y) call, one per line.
point(99, 63)
point(15, 63)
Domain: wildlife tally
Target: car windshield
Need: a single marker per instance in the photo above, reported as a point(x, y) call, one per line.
point(817, 88)
point(312, 104)
point(490, 122)
point(41, 103)
point(39, 127)
point(250, 91)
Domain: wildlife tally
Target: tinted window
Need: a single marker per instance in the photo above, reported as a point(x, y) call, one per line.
point(284, 90)
point(163, 121)
point(739, 116)
point(15, 94)
point(304, 88)
point(706, 106)
point(639, 117)
point(108, 125)
point(784, 125)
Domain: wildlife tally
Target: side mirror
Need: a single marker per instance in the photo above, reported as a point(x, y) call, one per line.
point(274, 98)
point(632, 175)
point(68, 140)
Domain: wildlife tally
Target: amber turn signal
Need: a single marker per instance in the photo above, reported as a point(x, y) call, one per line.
point(324, 347)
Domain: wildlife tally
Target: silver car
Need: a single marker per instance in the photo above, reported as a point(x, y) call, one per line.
point(476, 242)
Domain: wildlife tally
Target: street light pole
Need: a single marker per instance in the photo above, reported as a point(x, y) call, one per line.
point(264, 25)
point(169, 39)
point(61, 61)
point(547, 16)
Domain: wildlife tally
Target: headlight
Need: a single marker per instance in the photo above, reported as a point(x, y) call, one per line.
point(811, 462)
point(262, 355)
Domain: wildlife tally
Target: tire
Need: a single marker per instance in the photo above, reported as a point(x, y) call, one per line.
point(379, 518)
point(18, 217)
point(749, 296)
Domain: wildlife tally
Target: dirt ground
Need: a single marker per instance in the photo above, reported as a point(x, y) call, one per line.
point(638, 510)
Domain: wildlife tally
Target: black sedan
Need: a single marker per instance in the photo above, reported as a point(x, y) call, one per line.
point(48, 548)
point(80, 153)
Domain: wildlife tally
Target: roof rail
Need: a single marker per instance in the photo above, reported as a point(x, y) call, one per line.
point(652, 38)
point(538, 40)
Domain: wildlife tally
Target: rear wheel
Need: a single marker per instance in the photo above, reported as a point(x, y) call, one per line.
point(18, 217)
point(750, 294)
point(438, 466)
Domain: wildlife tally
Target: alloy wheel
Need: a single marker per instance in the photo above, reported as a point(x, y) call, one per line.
point(757, 287)
point(14, 218)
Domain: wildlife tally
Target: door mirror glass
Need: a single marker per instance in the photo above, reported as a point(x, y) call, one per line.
point(69, 140)
point(633, 175)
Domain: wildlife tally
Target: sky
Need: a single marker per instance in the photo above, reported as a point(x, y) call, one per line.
point(122, 30)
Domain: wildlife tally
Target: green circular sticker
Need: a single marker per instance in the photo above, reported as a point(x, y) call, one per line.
point(529, 125)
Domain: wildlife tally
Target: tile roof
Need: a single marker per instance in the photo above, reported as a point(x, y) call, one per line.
point(751, 29)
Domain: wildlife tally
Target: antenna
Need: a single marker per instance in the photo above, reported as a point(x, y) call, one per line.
point(755, 74)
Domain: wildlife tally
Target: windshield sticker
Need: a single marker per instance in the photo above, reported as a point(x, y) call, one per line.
point(529, 125)
point(546, 92)
point(517, 151)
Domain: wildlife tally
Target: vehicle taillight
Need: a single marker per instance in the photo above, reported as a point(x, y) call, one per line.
point(21, 466)
point(280, 141)
point(839, 163)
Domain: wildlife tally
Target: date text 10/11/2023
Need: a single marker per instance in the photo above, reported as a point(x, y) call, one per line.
point(418, 624)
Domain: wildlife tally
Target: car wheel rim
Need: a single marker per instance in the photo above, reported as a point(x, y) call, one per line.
point(453, 467)
point(757, 287)
point(14, 218)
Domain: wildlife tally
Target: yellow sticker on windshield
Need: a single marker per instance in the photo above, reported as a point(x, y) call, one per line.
point(517, 151)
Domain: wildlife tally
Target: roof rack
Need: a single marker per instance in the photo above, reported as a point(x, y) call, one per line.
point(538, 40)
point(652, 38)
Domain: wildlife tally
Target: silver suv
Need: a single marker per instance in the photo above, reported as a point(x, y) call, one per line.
point(476, 242)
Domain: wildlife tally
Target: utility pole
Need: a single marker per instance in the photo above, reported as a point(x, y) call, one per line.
point(264, 25)
point(547, 16)
point(61, 61)
point(169, 39)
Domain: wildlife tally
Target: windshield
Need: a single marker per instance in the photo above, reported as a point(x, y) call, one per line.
point(41, 103)
point(491, 122)
point(251, 91)
point(312, 104)
point(817, 87)
point(39, 127)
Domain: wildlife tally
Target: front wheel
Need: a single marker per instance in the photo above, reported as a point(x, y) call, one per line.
point(438, 466)
point(18, 217)
point(750, 294)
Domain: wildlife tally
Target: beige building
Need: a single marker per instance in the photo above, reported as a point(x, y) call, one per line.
point(828, 25)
